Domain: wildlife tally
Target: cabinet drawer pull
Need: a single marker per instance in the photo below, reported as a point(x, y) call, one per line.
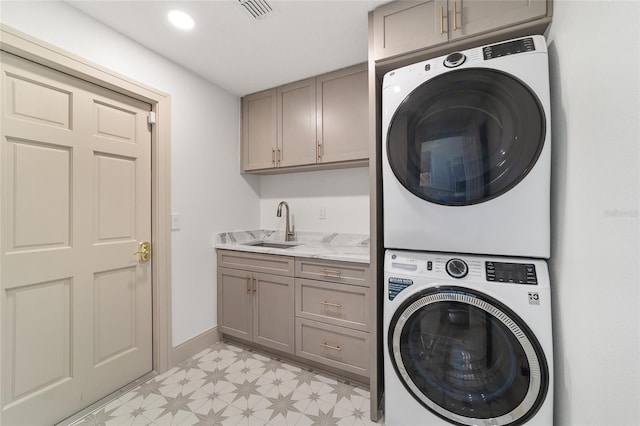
point(455, 15)
point(335, 272)
point(248, 285)
point(335, 305)
point(335, 348)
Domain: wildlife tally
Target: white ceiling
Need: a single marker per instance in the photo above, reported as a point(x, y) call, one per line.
point(239, 53)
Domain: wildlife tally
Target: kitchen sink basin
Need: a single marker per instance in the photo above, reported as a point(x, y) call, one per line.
point(270, 244)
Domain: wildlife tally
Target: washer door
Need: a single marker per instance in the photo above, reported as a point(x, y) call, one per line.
point(468, 358)
point(466, 136)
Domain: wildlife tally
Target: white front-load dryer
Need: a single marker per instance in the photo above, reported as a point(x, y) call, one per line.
point(466, 148)
point(467, 340)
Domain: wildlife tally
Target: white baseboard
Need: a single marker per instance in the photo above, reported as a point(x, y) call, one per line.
point(193, 346)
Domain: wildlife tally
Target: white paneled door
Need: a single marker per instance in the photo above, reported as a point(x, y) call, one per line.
point(75, 204)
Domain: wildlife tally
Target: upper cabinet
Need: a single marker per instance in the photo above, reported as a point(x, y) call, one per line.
point(296, 117)
point(402, 27)
point(342, 115)
point(259, 130)
point(321, 122)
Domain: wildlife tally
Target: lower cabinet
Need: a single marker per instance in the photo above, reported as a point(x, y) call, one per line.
point(332, 314)
point(314, 309)
point(257, 307)
point(337, 347)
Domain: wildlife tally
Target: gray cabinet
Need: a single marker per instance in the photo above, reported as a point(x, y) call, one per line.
point(316, 310)
point(332, 314)
point(296, 116)
point(259, 130)
point(342, 115)
point(254, 305)
point(317, 123)
point(273, 304)
point(403, 27)
point(235, 303)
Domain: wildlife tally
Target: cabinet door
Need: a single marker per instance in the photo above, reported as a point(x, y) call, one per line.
point(259, 130)
point(343, 115)
point(235, 298)
point(405, 26)
point(296, 112)
point(471, 17)
point(273, 316)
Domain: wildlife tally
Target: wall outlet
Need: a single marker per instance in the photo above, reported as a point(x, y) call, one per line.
point(322, 213)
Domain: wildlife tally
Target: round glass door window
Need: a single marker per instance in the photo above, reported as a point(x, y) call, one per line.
point(468, 358)
point(466, 136)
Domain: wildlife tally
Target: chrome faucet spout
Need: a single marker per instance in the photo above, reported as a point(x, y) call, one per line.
point(288, 232)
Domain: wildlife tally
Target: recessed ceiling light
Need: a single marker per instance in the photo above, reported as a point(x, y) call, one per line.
point(181, 20)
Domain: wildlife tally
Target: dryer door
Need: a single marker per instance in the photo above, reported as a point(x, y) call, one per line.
point(466, 136)
point(468, 358)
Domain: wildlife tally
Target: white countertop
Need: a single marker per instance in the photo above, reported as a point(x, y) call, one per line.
point(315, 245)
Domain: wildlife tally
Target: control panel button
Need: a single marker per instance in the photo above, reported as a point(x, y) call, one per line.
point(454, 60)
point(457, 268)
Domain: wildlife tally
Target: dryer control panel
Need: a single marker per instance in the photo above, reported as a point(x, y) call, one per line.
point(508, 48)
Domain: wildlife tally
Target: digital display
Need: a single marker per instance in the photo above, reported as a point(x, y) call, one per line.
point(517, 273)
point(508, 48)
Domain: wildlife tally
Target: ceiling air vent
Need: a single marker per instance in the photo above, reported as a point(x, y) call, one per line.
point(258, 9)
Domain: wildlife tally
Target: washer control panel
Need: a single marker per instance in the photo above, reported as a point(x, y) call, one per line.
point(517, 273)
point(404, 269)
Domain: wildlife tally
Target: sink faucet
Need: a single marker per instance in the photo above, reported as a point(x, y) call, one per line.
point(288, 232)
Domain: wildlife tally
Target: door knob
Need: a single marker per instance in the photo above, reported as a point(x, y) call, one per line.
point(144, 251)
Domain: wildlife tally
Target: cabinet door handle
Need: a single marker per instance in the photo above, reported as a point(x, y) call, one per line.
point(278, 156)
point(335, 305)
point(334, 272)
point(273, 156)
point(441, 19)
point(318, 155)
point(455, 15)
point(255, 285)
point(248, 284)
point(335, 348)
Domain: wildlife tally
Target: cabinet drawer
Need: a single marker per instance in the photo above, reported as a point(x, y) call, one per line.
point(337, 272)
point(337, 304)
point(256, 262)
point(334, 346)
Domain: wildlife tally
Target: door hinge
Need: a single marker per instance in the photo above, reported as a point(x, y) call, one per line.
point(151, 119)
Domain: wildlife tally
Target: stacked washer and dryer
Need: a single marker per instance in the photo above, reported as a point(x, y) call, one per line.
point(466, 205)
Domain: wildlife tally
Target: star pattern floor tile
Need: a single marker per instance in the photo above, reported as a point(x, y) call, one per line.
point(231, 385)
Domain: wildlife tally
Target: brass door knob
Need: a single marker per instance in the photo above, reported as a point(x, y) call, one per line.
point(144, 251)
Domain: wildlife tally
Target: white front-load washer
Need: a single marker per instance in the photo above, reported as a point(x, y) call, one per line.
point(466, 151)
point(467, 340)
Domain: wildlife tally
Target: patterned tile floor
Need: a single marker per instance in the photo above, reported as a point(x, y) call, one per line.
point(230, 385)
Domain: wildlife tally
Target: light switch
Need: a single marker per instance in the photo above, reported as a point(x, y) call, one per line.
point(322, 213)
point(176, 221)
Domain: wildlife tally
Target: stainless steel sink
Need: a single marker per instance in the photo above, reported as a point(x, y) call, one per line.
point(271, 244)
